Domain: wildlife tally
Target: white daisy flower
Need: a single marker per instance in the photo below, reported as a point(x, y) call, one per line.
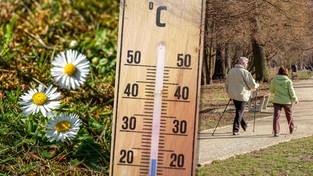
point(63, 127)
point(70, 69)
point(43, 100)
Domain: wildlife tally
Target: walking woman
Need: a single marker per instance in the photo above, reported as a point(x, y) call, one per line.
point(284, 95)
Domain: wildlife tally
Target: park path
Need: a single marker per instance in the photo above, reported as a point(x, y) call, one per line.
point(224, 145)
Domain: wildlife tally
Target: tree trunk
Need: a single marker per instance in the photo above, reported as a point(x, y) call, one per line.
point(261, 68)
point(219, 64)
point(209, 49)
point(212, 60)
point(260, 64)
point(227, 59)
point(205, 68)
point(205, 60)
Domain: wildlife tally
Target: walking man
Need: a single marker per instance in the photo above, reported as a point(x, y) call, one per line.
point(239, 83)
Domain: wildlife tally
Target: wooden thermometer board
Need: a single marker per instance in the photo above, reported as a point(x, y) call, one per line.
point(157, 88)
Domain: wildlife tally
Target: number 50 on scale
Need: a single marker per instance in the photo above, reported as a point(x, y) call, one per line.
point(157, 88)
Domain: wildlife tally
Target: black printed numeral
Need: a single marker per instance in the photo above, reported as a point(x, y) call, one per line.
point(180, 126)
point(178, 160)
point(183, 60)
point(182, 93)
point(131, 90)
point(127, 156)
point(129, 123)
point(133, 57)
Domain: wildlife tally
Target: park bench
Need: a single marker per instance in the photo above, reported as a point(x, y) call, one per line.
point(294, 76)
point(261, 101)
point(294, 73)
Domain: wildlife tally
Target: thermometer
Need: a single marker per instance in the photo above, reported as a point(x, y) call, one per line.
point(157, 88)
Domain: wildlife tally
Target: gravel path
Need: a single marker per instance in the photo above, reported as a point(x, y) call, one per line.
point(224, 145)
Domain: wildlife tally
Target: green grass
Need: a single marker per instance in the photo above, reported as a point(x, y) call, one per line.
point(304, 74)
point(32, 33)
point(289, 158)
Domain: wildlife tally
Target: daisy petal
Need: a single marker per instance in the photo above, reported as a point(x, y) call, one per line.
point(62, 127)
point(77, 76)
point(44, 103)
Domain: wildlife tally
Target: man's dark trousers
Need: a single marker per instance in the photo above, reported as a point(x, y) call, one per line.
point(239, 119)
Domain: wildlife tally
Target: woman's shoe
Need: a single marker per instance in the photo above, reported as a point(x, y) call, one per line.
point(294, 129)
point(276, 134)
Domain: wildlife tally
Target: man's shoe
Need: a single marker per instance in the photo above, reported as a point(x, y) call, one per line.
point(235, 133)
point(245, 128)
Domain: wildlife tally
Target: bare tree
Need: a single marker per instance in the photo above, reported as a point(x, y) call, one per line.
point(267, 31)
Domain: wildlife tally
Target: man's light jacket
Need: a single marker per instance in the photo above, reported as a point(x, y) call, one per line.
point(239, 82)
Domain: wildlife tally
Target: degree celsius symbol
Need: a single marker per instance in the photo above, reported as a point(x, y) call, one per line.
point(158, 14)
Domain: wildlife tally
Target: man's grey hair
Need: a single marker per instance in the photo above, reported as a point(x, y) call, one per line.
point(242, 60)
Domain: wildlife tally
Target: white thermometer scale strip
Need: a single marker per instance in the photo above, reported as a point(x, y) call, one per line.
point(157, 108)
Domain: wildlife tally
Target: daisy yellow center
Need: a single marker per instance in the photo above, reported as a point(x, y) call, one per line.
point(62, 126)
point(39, 98)
point(70, 69)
